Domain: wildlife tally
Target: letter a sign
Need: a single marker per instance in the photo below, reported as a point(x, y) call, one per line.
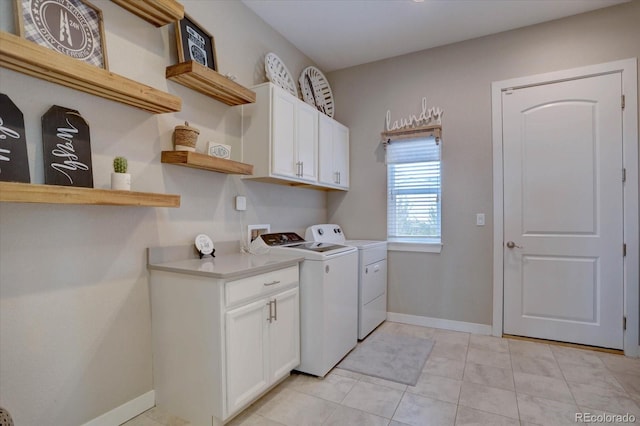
point(67, 148)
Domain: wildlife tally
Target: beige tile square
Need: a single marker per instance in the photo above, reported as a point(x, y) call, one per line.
point(484, 357)
point(530, 349)
point(537, 366)
point(374, 399)
point(604, 399)
point(347, 373)
point(142, 420)
point(444, 349)
point(332, 388)
point(545, 411)
point(451, 336)
point(297, 409)
point(407, 329)
point(630, 383)
point(418, 410)
point(576, 356)
point(345, 416)
point(444, 367)
point(252, 420)
point(165, 418)
point(437, 387)
point(382, 382)
point(620, 363)
point(490, 376)
point(489, 343)
point(469, 417)
point(492, 400)
point(590, 375)
point(544, 387)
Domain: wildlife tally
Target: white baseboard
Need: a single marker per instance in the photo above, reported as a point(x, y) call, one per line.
point(446, 324)
point(126, 411)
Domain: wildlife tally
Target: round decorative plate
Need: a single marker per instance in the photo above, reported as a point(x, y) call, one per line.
point(204, 244)
point(316, 90)
point(278, 73)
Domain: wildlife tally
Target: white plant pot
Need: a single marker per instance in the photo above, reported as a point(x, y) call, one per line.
point(121, 181)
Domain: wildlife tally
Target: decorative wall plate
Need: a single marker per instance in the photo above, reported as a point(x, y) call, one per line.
point(204, 244)
point(278, 73)
point(316, 90)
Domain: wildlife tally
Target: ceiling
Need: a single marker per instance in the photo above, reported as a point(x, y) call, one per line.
point(338, 34)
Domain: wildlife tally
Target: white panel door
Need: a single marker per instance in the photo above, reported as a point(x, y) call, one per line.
point(283, 122)
point(563, 211)
point(284, 334)
point(307, 141)
point(247, 346)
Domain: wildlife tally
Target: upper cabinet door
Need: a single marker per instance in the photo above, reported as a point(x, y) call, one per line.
point(283, 152)
point(341, 154)
point(307, 141)
point(333, 152)
point(325, 151)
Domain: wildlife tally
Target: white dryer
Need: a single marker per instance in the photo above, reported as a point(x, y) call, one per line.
point(372, 274)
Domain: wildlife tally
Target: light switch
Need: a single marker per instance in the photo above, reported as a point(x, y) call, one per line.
point(480, 219)
point(241, 203)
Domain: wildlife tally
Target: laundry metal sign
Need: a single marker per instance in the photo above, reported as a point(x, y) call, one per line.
point(427, 117)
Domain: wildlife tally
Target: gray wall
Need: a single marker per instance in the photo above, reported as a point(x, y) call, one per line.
point(75, 336)
point(457, 283)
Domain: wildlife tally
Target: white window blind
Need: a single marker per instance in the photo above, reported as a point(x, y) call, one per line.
point(413, 183)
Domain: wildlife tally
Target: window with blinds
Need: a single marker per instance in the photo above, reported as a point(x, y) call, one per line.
point(413, 183)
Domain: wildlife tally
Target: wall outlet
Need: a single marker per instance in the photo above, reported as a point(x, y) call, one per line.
point(241, 203)
point(480, 219)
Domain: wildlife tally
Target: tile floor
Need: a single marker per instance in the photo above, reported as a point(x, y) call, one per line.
point(468, 379)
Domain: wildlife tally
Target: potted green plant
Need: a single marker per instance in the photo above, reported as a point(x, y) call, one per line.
point(120, 179)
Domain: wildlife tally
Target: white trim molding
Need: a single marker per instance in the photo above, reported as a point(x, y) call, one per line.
point(628, 70)
point(468, 327)
point(126, 411)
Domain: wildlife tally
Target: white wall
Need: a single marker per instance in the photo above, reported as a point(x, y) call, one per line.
point(457, 283)
point(75, 336)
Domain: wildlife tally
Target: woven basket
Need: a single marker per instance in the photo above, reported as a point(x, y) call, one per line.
point(185, 137)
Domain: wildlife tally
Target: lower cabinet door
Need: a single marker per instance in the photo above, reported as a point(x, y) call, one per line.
point(247, 330)
point(284, 334)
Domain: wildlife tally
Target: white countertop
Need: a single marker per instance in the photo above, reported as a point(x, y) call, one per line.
point(225, 265)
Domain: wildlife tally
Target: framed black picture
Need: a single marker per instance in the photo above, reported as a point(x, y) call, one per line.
point(71, 27)
point(66, 148)
point(195, 44)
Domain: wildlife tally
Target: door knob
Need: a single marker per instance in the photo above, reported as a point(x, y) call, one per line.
point(511, 244)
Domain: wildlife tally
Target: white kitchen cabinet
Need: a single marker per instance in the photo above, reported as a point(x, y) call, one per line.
point(333, 153)
point(263, 346)
point(280, 136)
point(219, 344)
point(280, 139)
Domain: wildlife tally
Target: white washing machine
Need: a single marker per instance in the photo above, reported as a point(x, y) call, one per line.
point(328, 298)
point(372, 274)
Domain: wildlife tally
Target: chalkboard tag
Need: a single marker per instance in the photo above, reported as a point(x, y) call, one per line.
point(67, 148)
point(14, 163)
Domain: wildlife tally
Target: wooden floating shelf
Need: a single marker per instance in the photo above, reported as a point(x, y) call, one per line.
point(156, 12)
point(211, 83)
point(29, 58)
point(409, 132)
point(54, 194)
point(206, 162)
